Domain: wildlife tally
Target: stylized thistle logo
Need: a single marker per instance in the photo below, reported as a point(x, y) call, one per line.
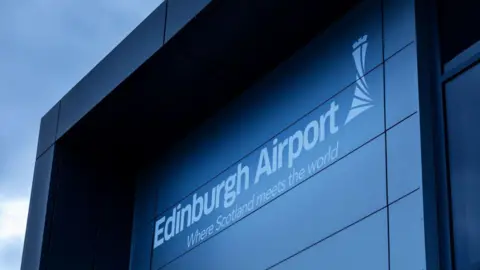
point(362, 100)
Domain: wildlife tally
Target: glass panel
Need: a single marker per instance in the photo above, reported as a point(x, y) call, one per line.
point(463, 99)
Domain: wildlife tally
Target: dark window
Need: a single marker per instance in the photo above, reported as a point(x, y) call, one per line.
point(463, 121)
point(459, 29)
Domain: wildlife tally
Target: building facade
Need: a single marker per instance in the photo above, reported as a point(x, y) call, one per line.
point(268, 135)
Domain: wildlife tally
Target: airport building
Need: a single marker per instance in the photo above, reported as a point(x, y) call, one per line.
point(261, 134)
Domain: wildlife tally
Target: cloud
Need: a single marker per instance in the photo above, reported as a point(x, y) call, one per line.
point(13, 216)
point(11, 254)
point(46, 47)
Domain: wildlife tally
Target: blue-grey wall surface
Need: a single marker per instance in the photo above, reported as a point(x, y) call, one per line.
point(316, 166)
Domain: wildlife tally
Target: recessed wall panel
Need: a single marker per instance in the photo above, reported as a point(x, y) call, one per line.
point(362, 246)
point(298, 159)
point(404, 158)
point(407, 237)
point(312, 210)
point(401, 85)
point(399, 23)
point(298, 153)
point(329, 64)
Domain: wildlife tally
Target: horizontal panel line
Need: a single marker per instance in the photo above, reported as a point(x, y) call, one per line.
point(400, 50)
point(402, 120)
point(43, 153)
point(343, 229)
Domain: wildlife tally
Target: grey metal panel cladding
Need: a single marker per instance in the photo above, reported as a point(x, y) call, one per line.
point(180, 12)
point(48, 130)
point(407, 237)
point(37, 211)
point(310, 77)
point(399, 20)
point(362, 246)
point(401, 85)
point(404, 158)
point(113, 69)
point(280, 229)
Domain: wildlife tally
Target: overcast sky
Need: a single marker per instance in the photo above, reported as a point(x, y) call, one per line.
point(46, 47)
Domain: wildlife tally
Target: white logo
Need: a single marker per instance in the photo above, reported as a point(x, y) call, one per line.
point(362, 100)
